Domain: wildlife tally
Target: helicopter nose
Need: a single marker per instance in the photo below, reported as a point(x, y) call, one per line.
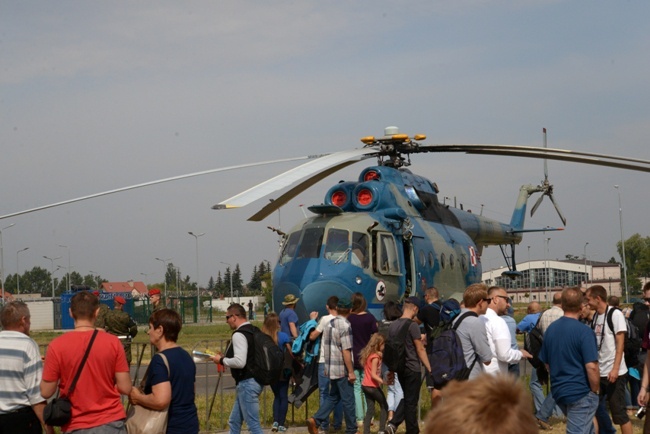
point(315, 294)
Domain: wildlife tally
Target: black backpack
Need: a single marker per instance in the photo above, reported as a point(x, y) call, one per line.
point(533, 341)
point(267, 361)
point(633, 340)
point(395, 349)
point(446, 355)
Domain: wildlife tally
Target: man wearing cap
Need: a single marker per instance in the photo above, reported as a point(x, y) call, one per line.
point(289, 317)
point(120, 324)
point(154, 298)
point(103, 311)
point(409, 378)
point(337, 349)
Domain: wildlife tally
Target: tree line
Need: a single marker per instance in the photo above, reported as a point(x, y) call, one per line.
point(38, 280)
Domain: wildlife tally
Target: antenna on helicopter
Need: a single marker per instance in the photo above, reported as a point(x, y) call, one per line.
point(547, 190)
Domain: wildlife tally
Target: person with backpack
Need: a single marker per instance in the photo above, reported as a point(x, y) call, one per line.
point(403, 353)
point(526, 325)
point(337, 349)
point(610, 327)
point(429, 317)
point(280, 389)
point(471, 329)
point(239, 358)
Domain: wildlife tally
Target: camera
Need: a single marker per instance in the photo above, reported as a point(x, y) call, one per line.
point(641, 412)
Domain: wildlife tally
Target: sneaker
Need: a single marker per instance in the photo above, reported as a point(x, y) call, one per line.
point(311, 426)
point(543, 425)
point(282, 429)
point(322, 431)
point(274, 428)
point(390, 429)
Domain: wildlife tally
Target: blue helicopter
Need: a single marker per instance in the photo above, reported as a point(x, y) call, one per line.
point(387, 235)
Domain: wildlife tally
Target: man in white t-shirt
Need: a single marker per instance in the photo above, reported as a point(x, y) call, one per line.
point(323, 380)
point(498, 333)
point(610, 328)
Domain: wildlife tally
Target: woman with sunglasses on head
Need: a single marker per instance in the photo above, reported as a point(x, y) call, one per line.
point(169, 384)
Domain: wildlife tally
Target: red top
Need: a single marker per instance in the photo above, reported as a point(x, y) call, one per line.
point(95, 399)
point(367, 369)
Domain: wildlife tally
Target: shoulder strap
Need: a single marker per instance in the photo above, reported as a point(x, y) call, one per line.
point(462, 317)
point(143, 382)
point(83, 362)
point(401, 334)
point(610, 322)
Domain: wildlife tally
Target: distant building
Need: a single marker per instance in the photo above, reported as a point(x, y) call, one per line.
point(541, 278)
point(137, 289)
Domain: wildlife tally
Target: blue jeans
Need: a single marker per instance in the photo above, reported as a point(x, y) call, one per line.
point(605, 425)
point(359, 397)
point(548, 408)
point(536, 390)
point(246, 407)
point(341, 391)
point(280, 401)
point(395, 394)
point(580, 414)
point(324, 390)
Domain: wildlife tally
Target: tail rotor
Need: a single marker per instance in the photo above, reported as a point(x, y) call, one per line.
point(547, 190)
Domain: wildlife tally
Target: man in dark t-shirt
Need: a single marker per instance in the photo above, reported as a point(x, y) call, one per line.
point(429, 317)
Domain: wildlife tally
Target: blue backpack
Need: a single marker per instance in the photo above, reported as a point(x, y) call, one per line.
point(448, 310)
point(446, 356)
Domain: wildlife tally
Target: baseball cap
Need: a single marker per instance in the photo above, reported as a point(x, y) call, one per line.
point(414, 301)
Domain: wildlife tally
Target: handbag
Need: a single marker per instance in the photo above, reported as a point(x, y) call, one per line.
point(58, 411)
point(142, 420)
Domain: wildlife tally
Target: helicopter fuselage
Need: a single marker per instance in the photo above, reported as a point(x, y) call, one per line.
point(386, 236)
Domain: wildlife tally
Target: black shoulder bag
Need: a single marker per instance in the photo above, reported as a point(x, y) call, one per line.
point(58, 411)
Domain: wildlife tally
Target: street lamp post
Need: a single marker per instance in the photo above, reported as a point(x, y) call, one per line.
point(67, 271)
point(620, 219)
point(145, 278)
point(231, 297)
point(52, 270)
point(548, 271)
point(586, 272)
point(2, 265)
point(18, 270)
point(165, 261)
point(198, 286)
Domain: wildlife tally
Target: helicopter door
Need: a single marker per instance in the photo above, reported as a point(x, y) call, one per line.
point(387, 263)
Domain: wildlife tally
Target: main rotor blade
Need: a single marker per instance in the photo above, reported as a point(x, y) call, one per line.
point(295, 191)
point(557, 208)
point(550, 153)
point(159, 181)
point(323, 163)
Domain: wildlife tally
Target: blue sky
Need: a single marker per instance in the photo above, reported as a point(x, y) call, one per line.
point(100, 95)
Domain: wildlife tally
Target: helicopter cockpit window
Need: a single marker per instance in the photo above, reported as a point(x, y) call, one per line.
point(359, 249)
point(290, 247)
point(312, 240)
point(337, 245)
point(387, 255)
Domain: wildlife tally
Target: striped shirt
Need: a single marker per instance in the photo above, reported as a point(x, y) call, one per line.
point(337, 337)
point(20, 372)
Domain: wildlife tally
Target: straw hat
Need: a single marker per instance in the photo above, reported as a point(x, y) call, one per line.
point(290, 299)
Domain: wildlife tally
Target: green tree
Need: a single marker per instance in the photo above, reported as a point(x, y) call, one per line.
point(211, 283)
point(637, 258)
point(36, 281)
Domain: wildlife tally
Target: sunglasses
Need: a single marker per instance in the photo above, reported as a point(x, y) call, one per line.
point(229, 316)
point(505, 297)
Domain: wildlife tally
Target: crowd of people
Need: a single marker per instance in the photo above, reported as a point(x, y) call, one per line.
point(584, 346)
point(100, 380)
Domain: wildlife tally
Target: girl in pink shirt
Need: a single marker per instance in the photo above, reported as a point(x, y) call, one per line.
point(370, 358)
